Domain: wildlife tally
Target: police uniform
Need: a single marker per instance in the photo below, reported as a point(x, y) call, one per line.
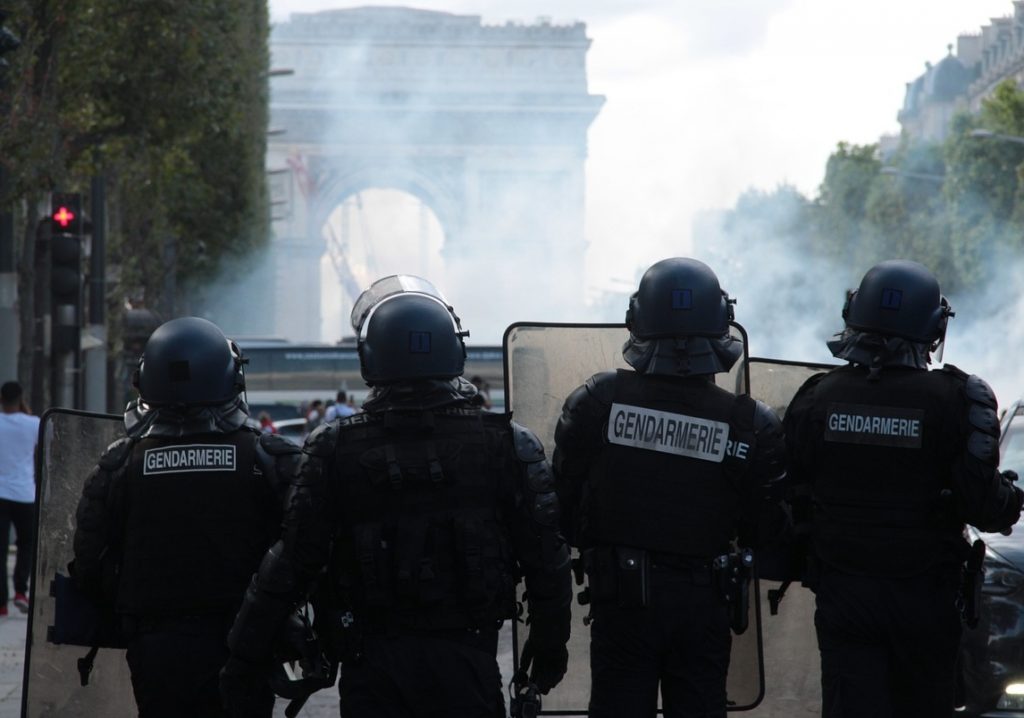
point(170, 527)
point(659, 471)
point(425, 511)
point(893, 460)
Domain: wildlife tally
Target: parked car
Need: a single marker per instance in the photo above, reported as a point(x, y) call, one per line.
point(992, 654)
point(294, 429)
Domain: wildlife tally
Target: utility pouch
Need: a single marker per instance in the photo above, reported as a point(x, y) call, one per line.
point(733, 572)
point(618, 575)
point(633, 577)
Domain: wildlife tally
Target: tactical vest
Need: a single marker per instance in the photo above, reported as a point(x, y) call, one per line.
point(883, 453)
point(427, 546)
point(198, 517)
point(670, 474)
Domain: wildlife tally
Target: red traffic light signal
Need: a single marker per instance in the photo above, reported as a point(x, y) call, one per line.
point(63, 216)
point(66, 214)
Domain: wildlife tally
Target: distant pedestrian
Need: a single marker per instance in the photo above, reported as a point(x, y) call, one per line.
point(340, 408)
point(315, 415)
point(266, 423)
point(484, 389)
point(19, 431)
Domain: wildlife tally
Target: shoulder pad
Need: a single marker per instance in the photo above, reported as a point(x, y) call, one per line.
point(984, 419)
point(980, 392)
point(765, 418)
point(955, 371)
point(116, 454)
point(277, 445)
point(602, 386)
point(322, 441)
point(528, 446)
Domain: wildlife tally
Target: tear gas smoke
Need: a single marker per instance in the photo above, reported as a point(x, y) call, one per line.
point(486, 125)
point(790, 300)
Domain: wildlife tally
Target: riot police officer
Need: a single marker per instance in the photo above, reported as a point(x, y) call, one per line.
point(176, 516)
point(893, 460)
point(425, 509)
point(660, 471)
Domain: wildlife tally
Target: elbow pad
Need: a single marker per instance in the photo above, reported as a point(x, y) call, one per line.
point(771, 445)
point(278, 458)
point(538, 481)
point(983, 440)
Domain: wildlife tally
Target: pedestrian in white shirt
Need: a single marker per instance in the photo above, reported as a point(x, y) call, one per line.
point(339, 409)
point(19, 431)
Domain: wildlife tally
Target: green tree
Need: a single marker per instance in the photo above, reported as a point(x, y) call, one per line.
point(166, 99)
point(984, 186)
point(842, 200)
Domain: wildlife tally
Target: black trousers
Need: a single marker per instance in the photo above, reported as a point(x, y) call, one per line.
point(888, 645)
point(680, 641)
point(23, 516)
point(175, 666)
point(424, 676)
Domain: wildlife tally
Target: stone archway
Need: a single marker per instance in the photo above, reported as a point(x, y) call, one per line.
point(485, 124)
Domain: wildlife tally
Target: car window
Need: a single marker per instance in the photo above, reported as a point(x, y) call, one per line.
point(1011, 448)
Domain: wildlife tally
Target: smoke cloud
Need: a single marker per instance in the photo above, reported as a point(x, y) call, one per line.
point(790, 300)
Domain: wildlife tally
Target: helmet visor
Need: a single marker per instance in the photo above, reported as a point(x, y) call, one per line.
point(388, 287)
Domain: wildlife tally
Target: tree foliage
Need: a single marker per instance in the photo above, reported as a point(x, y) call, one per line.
point(951, 206)
point(168, 101)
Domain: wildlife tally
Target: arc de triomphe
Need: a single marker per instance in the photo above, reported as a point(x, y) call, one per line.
point(484, 124)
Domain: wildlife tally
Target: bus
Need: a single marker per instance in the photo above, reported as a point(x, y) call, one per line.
point(281, 376)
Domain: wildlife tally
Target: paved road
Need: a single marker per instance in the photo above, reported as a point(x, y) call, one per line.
point(790, 649)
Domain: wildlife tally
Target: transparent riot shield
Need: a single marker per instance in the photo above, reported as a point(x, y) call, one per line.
point(792, 663)
point(70, 442)
point(544, 363)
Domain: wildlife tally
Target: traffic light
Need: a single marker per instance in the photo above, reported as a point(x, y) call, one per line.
point(66, 225)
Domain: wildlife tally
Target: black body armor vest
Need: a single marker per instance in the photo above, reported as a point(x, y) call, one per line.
point(198, 517)
point(421, 493)
point(883, 454)
point(669, 475)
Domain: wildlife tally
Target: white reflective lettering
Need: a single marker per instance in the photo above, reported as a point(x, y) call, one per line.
point(668, 433)
point(189, 458)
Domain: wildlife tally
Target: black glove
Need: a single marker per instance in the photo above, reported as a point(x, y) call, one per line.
point(243, 689)
point(1010, 475)
point(548, 664)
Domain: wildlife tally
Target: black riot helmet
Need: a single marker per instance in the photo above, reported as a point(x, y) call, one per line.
point(407, 331)
point(678, 322)
point(899, 298)
point(189, 361)
point(679, 297)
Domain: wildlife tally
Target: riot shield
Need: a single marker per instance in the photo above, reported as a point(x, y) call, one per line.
point(70, 442)
point(792, 664)
point(544, 363)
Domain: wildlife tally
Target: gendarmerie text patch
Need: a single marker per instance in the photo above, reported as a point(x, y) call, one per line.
point(875, 425)
point(669, 433)
point(189, 457)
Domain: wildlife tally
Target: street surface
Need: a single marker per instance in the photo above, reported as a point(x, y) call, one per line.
point(791, 659)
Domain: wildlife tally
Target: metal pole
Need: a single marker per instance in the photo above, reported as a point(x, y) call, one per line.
point(9, 326)
point(95, 341)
